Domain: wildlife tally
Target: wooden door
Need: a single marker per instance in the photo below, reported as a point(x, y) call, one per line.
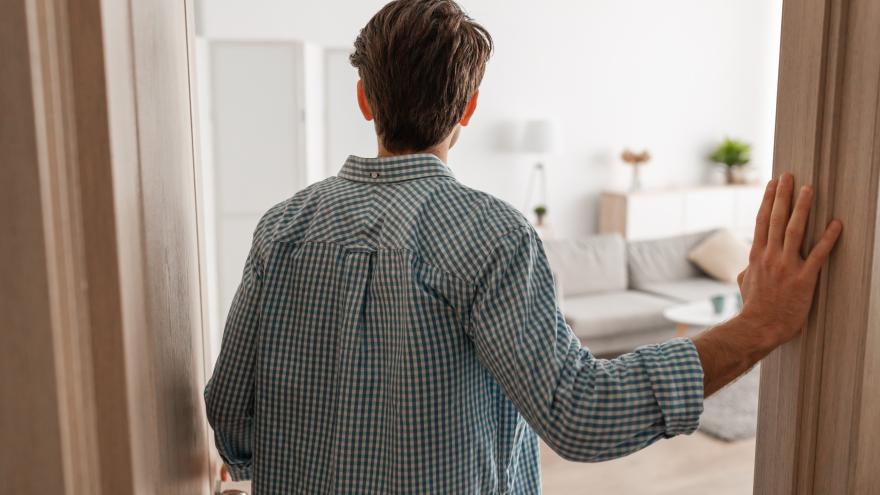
point(102, 343)
point(819, 414)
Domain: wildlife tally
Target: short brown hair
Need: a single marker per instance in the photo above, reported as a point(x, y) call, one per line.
point(420, 62)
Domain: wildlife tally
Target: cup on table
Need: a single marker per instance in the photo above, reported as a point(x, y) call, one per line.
point(718, 304)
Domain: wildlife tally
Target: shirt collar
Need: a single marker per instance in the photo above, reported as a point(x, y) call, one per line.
point(393, 168)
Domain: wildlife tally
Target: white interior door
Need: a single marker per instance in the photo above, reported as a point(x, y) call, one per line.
point(254, 118)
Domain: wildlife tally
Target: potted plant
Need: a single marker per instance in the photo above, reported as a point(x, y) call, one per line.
point(540, 213)
point(732, 154)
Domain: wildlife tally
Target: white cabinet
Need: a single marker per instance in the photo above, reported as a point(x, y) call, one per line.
point(660, 214)
point(667, 212)
point(706, 209)
point(748, 201)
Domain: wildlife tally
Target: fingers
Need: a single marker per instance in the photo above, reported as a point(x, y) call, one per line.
point(797, 225)
point(781, 208)
point(741, 279)
point(823, 248)
point(762, 223)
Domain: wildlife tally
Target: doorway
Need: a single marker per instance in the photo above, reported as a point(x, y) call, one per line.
point(624, 95)
point(113, 287)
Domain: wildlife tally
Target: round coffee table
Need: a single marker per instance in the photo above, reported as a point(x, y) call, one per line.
point(700, 314)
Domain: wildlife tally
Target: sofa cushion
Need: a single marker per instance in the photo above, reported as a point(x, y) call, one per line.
point(588, 265)
point(612, 313)
point(662, 260)
point(722, 255)
point(691, 289)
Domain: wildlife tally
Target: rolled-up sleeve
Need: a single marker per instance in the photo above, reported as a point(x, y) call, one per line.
point(584, 408)
point(229, 395)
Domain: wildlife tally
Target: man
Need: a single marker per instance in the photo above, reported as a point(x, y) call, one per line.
point(397, 332)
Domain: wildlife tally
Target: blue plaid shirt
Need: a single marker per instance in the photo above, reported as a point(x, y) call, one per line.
point(398, 332)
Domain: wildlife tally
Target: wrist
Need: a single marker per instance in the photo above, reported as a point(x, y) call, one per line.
point(766, 333)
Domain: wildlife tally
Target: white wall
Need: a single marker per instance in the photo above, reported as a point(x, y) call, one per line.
point(347, 133)
point(314, 105)
point(673, 77)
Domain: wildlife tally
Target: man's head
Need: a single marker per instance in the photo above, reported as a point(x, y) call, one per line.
point(420, 63)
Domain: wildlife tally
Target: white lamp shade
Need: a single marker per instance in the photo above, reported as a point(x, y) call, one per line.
point(540, 136)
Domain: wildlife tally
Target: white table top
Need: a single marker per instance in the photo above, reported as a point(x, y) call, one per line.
point(701, 313)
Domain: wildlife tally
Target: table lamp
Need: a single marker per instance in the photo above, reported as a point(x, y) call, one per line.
point(540, 138)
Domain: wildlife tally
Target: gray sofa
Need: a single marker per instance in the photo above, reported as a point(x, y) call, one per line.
point(613, 293)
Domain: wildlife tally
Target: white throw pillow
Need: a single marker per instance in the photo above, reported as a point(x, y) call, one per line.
point(722, 255)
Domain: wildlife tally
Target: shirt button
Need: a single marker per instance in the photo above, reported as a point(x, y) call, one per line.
point(374, 175)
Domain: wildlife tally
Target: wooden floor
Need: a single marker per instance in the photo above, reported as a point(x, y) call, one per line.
point(685, 465)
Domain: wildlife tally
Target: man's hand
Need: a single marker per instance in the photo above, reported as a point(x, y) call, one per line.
point(777, 287)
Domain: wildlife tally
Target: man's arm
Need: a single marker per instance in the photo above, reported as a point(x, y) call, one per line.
point(586, 409)
point(777, 287)
point(590, 409)
point(229, 394)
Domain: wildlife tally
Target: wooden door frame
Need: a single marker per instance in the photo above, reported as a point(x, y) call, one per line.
point(815, 432)
point(59, 209)
point(78, 368)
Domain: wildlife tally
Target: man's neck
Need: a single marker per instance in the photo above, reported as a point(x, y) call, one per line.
point(441, 151)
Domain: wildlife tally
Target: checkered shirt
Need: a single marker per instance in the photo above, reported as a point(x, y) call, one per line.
point(396, 332)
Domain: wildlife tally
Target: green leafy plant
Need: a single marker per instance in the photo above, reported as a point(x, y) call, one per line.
point(540, 211)
point(732, 153)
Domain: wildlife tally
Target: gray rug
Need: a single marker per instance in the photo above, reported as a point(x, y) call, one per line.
point(732, 413)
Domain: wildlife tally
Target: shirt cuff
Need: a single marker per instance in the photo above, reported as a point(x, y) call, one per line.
point(677, 380)
point(234, 446)
point(240, 472)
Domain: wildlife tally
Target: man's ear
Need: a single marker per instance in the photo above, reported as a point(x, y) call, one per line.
point(469, 110)
point(362, 101)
